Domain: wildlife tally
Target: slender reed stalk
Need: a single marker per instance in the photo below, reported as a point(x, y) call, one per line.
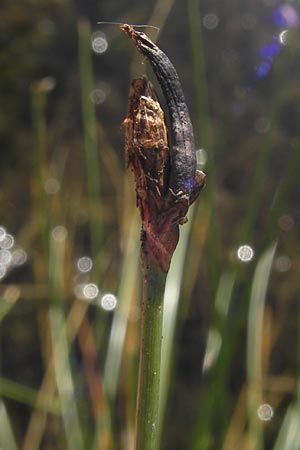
point(150, 357)
point(254, 346)
point(7, 438)
point(39, 91)
point(203, 135)
point(59, 340)
point(90, 132)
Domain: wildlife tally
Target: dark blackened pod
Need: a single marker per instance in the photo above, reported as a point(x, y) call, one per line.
point(185, 181)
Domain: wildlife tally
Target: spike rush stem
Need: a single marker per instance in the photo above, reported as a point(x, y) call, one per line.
point(167, 183)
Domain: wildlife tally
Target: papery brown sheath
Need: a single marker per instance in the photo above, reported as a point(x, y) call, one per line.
point(167, 182)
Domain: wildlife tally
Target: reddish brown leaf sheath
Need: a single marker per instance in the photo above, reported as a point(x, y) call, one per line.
point(147, 155)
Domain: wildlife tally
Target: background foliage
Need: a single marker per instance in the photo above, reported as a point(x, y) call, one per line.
point(70, 326)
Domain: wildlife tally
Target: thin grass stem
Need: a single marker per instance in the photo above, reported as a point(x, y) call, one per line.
point(7, 438)
point(254, 346)
point(147, 418)
point(90, 132)
point(60, 344)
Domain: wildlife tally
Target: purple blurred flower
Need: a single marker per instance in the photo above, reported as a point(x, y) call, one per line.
point(285, 16)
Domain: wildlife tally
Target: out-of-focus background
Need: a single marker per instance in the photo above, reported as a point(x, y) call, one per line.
point(69, 231)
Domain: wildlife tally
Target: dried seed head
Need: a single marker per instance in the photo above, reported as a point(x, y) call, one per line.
point(166, 183)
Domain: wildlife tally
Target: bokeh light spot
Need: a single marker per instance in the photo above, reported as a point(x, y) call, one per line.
point(18, 257)
point(5, 257)
point(286, 222)
point(7, 242)
point(285, 16)
point(90, 291)
point(283, 37)
point(265, 412)
point(98, 96)
point(2, 233)
point(85, 264)
point(282, 264)
point(99, 42)
point(59, 233)
point(108, 302)
point(245, 253)
point(52, 186)
point(210, 21)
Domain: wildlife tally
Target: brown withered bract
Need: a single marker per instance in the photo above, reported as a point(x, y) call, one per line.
point(146, 145)
point(147, 155)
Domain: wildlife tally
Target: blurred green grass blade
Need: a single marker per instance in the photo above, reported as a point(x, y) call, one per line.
point(224, 294)
point(259, 176)
point(203, 135)
point(253, 197)
point(202, 130)
point(255, 342)
point(90, 133)
point(289, 434)
point(39, 91)
point(58, 328)
point(170, 314)
point(215, 365)
point(128, 283)
point(215, 335)
point(7, 439)
point(6, 305)
point(64, 380)
point(28, 396)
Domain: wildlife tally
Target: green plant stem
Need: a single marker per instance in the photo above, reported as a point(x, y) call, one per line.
point(147, 427)
point(90, 133)
point(39, 170)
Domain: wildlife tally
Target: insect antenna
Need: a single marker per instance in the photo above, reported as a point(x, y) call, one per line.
point(132, 25)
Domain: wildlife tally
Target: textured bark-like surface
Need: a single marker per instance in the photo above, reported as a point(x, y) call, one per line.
point(146, 145)
point(167, 181)
point(147, 155)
